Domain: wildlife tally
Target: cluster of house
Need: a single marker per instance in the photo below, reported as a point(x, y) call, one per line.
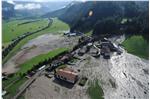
point(107, 47)
point(61, 60)
point(67, 74)
point(104, 48)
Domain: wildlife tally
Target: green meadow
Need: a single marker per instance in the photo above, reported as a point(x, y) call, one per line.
point(30, 63)
point(137, 45)
point(12, 29)
point(12, 90)
point(56, 27)
point(95, 91)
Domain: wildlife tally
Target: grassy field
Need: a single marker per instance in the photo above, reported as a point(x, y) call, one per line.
point(29, 64)
point(138, 46)
point(11, 30)
point(9, 33)
point(89, 33)
point(12, 89)
point(95, 91)
point(10, 80)
point(56, 27)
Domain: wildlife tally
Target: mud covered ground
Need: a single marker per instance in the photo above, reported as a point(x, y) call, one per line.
point(35, 47)
point(124, 76)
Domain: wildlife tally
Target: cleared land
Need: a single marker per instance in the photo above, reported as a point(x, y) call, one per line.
point(138, 46)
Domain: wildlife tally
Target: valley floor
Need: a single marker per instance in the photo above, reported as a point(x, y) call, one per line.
point(124, 76)
point(40, 45)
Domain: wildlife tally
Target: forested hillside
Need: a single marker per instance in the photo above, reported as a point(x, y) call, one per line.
point(106, 17)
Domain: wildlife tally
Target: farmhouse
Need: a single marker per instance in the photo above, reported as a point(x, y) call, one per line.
point(66, 58)
point(67, 74)
point(93, 51)
point(56, 63)
point(113, 47)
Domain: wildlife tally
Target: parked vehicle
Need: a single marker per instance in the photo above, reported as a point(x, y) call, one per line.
point(42, 67)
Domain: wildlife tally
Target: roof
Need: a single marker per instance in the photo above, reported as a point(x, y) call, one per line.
point(64, 58)
point(90, 44)
point(67, 73)
point(105, 49)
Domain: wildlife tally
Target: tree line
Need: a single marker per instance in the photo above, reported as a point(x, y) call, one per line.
point(106, 17)
point(15, 41)
point(82, 41)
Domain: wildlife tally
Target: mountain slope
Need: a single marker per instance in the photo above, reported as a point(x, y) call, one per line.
point(7, 10)
point(21, 9)
point(107, 14)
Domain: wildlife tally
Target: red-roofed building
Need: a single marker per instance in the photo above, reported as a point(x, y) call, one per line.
point(67, 74)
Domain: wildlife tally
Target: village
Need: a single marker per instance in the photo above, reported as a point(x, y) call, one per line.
point(68, 76)
point(71, 72)
point(65, 67)
point(75, 49)
point(65, 70)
